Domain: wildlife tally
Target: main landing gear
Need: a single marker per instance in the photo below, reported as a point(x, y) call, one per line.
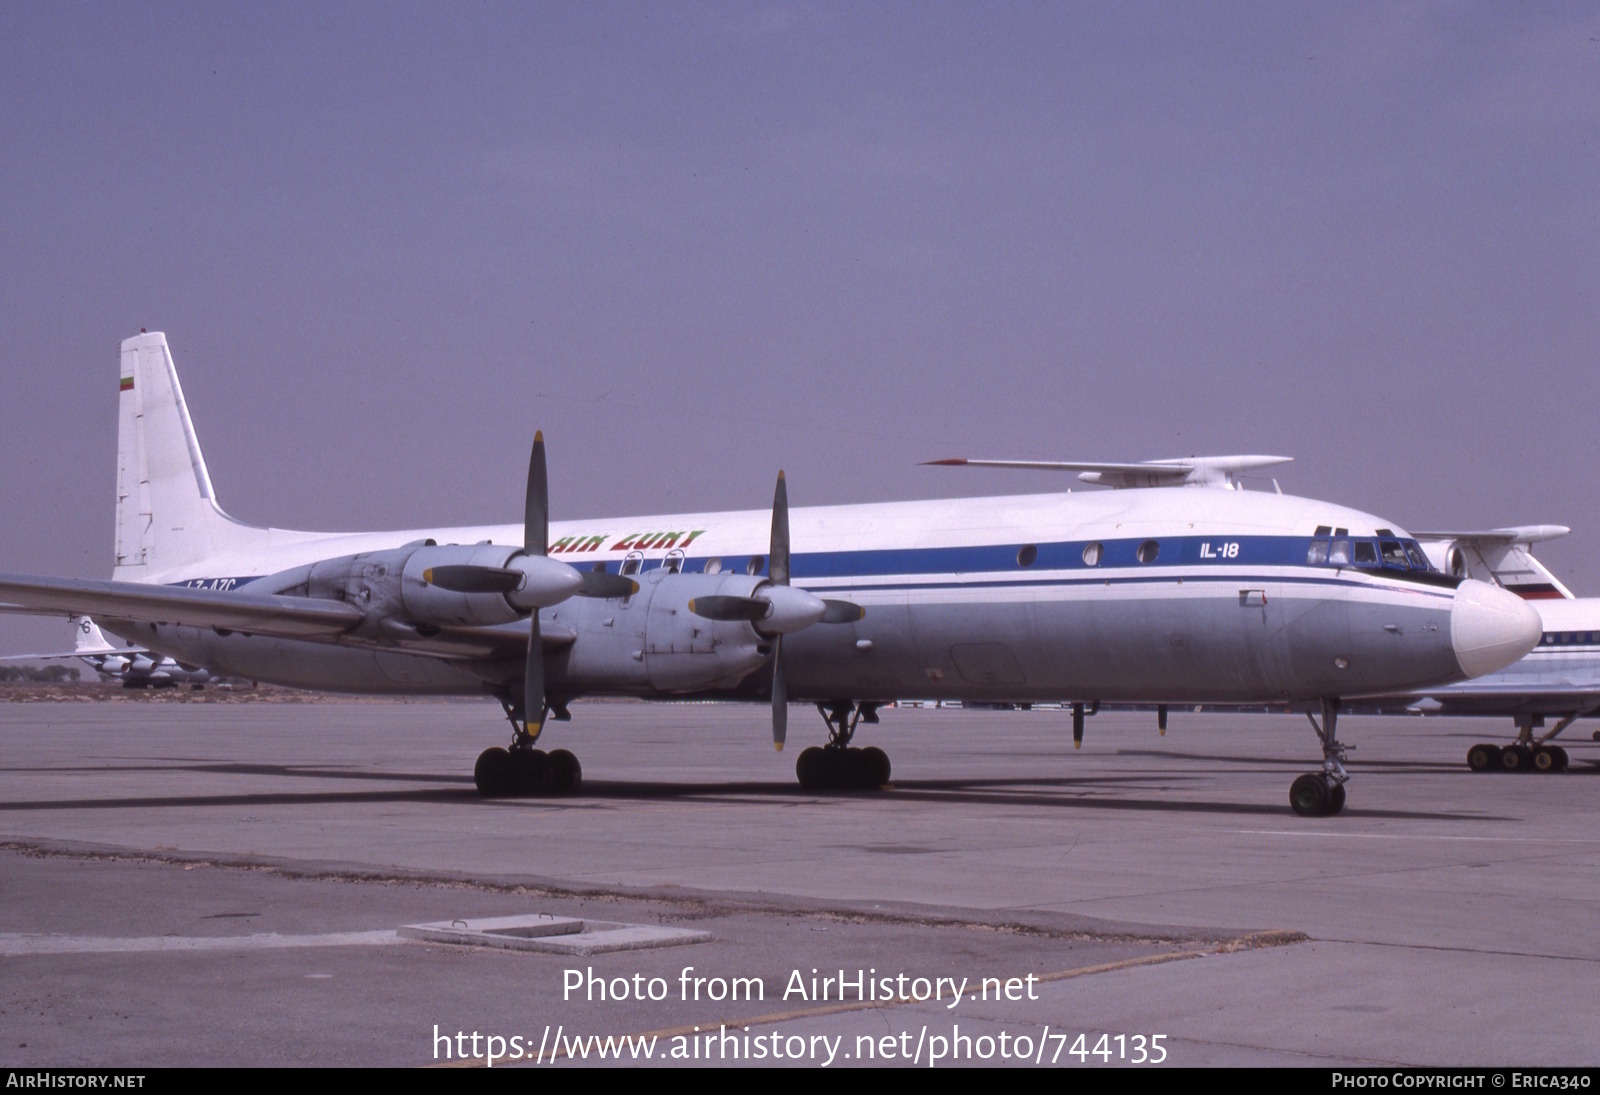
point(522, 769)
point(1525, 754)
point(839, 766)
point(1321, 794)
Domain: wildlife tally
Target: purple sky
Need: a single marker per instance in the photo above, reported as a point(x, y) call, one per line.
point(697, 243)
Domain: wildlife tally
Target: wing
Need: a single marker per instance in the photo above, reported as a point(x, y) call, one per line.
point(257, 613)
point(316, 619)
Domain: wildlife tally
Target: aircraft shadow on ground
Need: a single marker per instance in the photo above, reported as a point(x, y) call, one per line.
point(1099, 793)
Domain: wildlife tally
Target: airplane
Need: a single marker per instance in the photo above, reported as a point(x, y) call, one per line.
point(1559, 678)
point(1178, 592)
point(133, 665)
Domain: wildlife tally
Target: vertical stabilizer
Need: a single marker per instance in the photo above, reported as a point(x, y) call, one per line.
point(87, 638)
point(167, 513)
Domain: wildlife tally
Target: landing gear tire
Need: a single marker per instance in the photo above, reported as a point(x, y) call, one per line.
point(565, 773)
point(1515, 758)
point(1312, 795)
point(530, 771)
point(810, 769)
point(877, 765)
point(492, 774)
point(1484, 758)
point(837, 769)
point(1549, 758)
point(1336, 799)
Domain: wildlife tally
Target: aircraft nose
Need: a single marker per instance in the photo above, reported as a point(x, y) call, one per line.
point(1490, 628)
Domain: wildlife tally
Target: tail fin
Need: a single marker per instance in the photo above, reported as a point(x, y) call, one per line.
point(87, 638)
point(167, 512)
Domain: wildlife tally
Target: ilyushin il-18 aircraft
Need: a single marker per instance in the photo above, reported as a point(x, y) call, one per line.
point(1176, 592)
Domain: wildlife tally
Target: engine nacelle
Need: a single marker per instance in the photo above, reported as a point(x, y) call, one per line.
point(652, 642)
point(388, 586)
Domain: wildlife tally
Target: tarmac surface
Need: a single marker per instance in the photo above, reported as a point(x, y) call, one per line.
point(190, 883)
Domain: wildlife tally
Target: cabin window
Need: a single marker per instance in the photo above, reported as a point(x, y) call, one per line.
point(1148, 551)
point(753, 567)
point(632, 563)
point(673, 563)
point(1027, 555)
point(713, 565)
point(1091, 554)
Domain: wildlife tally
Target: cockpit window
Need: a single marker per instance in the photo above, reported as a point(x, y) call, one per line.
point(1395, 554)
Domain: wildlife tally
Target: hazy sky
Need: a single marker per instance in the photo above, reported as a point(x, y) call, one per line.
point(698, 242)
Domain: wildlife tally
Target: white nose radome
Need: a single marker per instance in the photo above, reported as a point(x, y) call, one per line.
point(1490, 628)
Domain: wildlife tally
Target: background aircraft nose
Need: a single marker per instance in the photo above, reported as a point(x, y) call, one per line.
point(1490, 628)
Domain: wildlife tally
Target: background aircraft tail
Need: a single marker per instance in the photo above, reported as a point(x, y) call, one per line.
point(167, 512)
point(87, 638)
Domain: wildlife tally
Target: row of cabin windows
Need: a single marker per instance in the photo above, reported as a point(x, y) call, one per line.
point(673, 564)
point(1092, 553)
point(1569, 638)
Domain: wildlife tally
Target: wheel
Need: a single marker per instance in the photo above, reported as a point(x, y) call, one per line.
point(1544, 760)
point(811, 768)
point(492, 773)
point(530, 772)
point(1484, 758)
point(566, 774)
point(1336, 799)
point(1561, 757)
point(878, 765)
point(1309, 795)
point(1514, 758)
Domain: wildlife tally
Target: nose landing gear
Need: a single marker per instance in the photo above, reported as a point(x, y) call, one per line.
point(1321, 794)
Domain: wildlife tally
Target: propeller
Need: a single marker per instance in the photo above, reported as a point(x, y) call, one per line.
point(777, 608)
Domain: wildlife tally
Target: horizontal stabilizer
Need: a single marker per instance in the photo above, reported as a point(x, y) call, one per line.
point(1499, 556)
point(1191, 471)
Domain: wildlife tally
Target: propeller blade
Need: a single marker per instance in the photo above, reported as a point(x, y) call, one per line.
point(536, 511)
point(597, 583)
point(780, 696)
point(778, 569)
point(473, 579)
point(533, 681)
point(720, 607)
point(842, 612)
point(535, 541)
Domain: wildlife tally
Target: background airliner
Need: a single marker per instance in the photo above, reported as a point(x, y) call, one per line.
point(1559, 679)
point(1173, 593)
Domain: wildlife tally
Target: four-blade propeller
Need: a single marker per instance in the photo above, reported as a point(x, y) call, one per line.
point(777, 609)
